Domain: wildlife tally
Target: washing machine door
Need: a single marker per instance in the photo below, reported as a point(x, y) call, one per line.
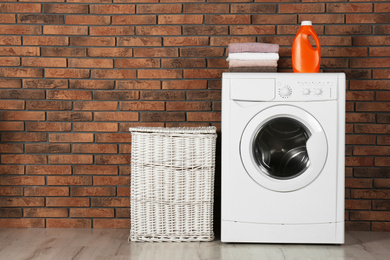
point(283, 148)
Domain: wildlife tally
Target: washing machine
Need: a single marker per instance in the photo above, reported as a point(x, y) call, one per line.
point(283, 138)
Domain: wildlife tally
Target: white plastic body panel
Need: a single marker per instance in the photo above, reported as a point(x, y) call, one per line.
point(313, 213)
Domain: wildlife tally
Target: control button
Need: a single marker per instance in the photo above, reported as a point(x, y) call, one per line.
point(318, 91)
point(306, 91)
point(285, 92)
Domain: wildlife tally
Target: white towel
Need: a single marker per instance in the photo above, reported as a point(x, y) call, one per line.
point(253, 56)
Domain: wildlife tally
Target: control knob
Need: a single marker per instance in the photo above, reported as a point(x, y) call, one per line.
point(318, 91)
point(285, 92)
point(306, 91)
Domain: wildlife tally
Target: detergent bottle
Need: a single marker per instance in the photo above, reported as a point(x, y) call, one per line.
point(305, 58)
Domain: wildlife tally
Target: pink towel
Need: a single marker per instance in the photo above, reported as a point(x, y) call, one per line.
point(253, 47)
point(255, 63)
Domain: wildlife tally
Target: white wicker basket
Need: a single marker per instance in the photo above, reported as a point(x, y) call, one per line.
point(172, 184)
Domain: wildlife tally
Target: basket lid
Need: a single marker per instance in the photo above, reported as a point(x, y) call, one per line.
point(175, 130)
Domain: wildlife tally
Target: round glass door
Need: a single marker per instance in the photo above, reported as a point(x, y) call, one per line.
point(279, 148)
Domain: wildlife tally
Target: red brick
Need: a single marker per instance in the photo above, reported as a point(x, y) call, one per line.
point(92, 84)
point(48, 126)
point(10, 61)
point(22, 202)
point(65, 30)
point(41, 18)
point(205, 8)
point(90, 63)
point(113, 137)
point(357, 204)
point(67, 73)
point(302, 8)
point(8, 18)
point(67, 202)
point(92, 41)
point(381, 7)
point(158, 8)
point(370, 194)
point(185, 63)
point(159, 74)
point(373, 106)
point(322, 18)
point(203, 73)
point(11, 213)
point(95, 105)
point(68, 223)
point(382, 161)
point(360, 95)
point(370, 63)
point(125, 148)
point(110, 52)
point(349, 8)
point(252, 29)
point(47, 148)
point(180, 19)
point(370, 215)
point(188, 106)
point(202, 52)
point(112, 9)
point(91, 213)
point(383, 140)
point(71, 137)
point(358, 161)
point(134, 19)
point(48, 170)
point(23, 137)
point(44, 62)
point(344, 52)
point(22, 180)
point(22, 94)
point(20, 29)
point(21, 72)
point(112, 159)
point(369, 84)
point(360, 139)
point(22, 223)
point(382, 183)
point(88, 20)
point(370, 40)
point(139, 41)
point(358, 183)
point(111, 223)
point(10, 40)
point(95, 127)
point(12, 126)
point(380, 226)
point(138, 63)
point(367, 18)
point(10, 83)
point(163, 95)
point(93, 191)
point(372, 150)
point(45, 40)
point(49, 105)
point(217, 63)
point(381, 74)
point(123, 191)
point(11, 191)
point(156, 52)
point(113, 74)
point(116, 95)
point(69, 116)
point(372, 129)
point(95, 170)
point(110, 202)
point(45, 213)
point(11, 169)
point(11, 148)
point(112, 30)
point(158, 30)
point(185, 84)
point(20, 8)
point(65, 8)
point(69, 94)
point(23, 159)
point(123, 213)
point(186, 41)
point(11, 104)
point(64, 52)
point(138, 84)
point(70, 159)
point(162, 116)
point(224, 41)
point(142, 106)
point(204, 116)
point(116, 116)
point(227, 19)
point(370, 172)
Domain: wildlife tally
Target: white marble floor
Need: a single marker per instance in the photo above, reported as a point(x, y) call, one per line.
point(110, 244)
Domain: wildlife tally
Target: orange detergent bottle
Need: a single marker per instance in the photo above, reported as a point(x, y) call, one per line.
point(305, 58)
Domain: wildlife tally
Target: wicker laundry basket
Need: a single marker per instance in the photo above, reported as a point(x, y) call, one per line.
point(172, 184)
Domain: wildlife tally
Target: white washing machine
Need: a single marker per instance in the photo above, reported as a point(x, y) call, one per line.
point(283, 138)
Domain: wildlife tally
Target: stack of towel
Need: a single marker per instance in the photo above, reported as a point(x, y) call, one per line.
point(253, 57)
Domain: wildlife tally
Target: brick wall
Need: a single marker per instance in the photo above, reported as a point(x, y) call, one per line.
point(74, 75)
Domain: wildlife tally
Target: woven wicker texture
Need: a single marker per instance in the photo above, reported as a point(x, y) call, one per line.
point(172, 184)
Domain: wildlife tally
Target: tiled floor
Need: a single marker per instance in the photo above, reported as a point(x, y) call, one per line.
point(112, 244)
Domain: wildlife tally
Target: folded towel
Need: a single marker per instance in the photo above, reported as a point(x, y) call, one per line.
point(249, 63)
point(253, 69)
point(253, 47)
point(253, 56)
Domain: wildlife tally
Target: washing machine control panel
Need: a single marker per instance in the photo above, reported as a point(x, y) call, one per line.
point(303, 90)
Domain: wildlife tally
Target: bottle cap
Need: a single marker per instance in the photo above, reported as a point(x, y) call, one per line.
point(306, 23)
